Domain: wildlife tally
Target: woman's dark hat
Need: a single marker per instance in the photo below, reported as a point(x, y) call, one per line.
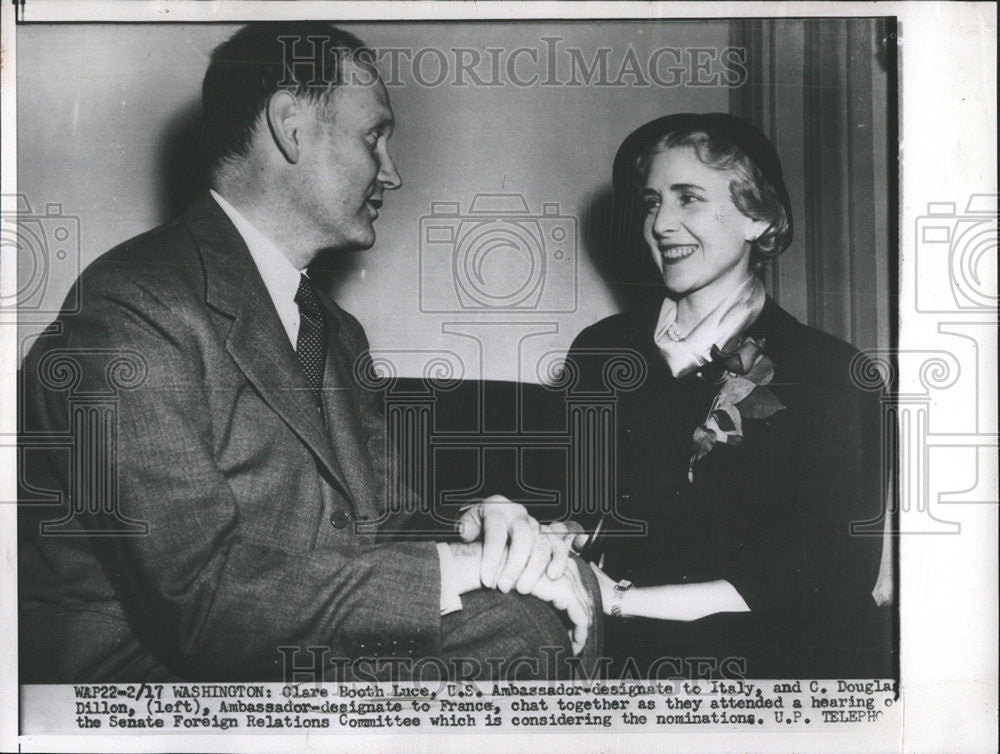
point(752, 142)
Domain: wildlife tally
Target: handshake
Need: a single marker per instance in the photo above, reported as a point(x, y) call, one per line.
point(504, 548)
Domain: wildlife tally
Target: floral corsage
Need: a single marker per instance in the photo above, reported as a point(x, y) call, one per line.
point(742, 370)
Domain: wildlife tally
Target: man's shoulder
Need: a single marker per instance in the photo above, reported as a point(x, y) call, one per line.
point(160, 259)
point(807, 355)
point(148, 284)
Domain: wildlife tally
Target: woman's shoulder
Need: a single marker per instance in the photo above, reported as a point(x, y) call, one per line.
point(604, 332)
point(619, 339)
point(631, 328)
point(811, 355)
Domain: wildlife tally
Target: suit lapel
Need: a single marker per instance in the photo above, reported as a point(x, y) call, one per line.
point(257, 341)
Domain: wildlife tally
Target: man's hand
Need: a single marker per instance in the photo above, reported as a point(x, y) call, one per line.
point(516, 549)
point(466, 558)
point(567, 593)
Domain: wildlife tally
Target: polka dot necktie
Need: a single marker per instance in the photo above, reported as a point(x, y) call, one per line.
point(310, 345)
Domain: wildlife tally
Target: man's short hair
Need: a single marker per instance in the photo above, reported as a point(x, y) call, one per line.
point(304, 57)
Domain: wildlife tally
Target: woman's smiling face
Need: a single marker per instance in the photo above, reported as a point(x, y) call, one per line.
point(698, 238)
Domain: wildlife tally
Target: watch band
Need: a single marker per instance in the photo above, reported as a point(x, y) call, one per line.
point(616, 601)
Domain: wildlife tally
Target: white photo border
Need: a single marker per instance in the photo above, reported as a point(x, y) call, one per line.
point(949, 597)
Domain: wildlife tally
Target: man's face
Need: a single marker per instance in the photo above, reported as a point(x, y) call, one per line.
point(345, 161)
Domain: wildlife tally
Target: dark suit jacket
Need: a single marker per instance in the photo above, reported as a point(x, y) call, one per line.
point(773, 515)
point(250, 502)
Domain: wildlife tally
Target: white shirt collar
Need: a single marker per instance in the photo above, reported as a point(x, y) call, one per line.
point(280, 276)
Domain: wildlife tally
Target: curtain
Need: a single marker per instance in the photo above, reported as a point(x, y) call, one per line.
point(823, 90)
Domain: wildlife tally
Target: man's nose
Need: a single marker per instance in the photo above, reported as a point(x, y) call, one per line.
point(388, 176)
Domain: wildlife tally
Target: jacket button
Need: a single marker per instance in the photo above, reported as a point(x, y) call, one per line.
point(339, 519)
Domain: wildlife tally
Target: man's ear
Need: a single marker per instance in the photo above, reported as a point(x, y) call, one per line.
point(285, 122)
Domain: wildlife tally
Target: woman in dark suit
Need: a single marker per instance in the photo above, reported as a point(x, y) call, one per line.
point(748, 449)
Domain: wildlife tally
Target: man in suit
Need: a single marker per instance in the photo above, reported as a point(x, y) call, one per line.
point(228, 531)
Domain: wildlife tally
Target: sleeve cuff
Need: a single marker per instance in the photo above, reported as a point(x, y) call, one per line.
point(451, 601)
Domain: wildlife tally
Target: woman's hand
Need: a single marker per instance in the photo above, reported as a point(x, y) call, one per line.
point(571, 532)
point(566, 536)
point(680, 602)
point(550, 553)
point(607, 585)
point(517, 551)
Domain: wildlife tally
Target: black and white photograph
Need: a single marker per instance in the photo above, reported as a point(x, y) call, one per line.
point(492, 370)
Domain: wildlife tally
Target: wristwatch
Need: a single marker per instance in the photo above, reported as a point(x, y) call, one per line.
point(616, 601)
